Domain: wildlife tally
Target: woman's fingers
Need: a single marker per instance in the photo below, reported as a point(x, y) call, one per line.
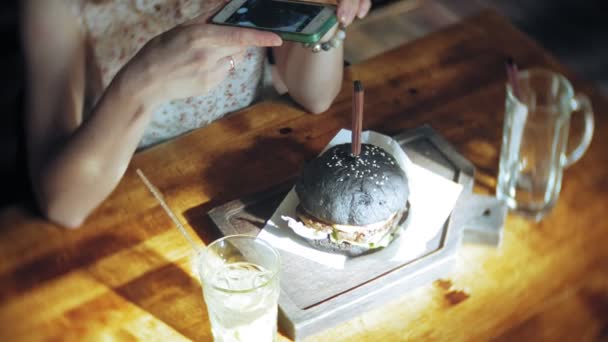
point(216, 54)
point(205, 35)
point(364, 7)
point(203, 80)
point(224, 66)
point(204, 60)
point(227, 63)
point(347, 9)
point(236, 36)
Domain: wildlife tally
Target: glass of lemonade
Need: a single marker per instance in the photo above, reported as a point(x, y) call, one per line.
point(240, 277)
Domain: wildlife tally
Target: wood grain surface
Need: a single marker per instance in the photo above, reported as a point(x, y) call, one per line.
point(125, 275)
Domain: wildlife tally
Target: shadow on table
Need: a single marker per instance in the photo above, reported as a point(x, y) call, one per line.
point(172, 296)
point(165, 291)
point(227, 181)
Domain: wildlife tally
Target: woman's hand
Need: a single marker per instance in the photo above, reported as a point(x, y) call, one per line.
point(349, 9)
point(188, 60)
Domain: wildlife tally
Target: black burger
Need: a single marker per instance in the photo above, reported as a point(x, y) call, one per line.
point(352, 204)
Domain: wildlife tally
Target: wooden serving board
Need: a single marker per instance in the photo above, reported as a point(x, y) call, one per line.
point(314, 296)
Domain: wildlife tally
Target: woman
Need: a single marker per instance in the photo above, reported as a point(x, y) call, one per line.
point(107, 77)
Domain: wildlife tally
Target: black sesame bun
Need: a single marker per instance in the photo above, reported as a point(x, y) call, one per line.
point(358, 201)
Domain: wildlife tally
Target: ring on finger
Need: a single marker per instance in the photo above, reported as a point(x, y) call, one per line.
point(232, 63)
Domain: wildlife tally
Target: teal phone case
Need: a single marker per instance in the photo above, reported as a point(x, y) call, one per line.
point(296, 37)
point(311, 38)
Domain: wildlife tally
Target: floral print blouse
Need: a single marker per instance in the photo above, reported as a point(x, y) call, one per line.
point(117, 29)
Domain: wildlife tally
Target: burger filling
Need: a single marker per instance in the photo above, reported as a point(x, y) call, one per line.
point(373, 235)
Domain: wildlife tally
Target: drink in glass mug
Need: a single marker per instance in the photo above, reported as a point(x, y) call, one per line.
point(535, 137)
point(241, 288)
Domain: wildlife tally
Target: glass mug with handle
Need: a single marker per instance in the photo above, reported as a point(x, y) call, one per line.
point(535, 139)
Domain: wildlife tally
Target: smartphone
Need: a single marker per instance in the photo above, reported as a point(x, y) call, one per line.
point(303, 22)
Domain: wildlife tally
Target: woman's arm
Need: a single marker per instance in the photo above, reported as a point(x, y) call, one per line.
point(312, 79)
point(75, 165)
point(72, 166)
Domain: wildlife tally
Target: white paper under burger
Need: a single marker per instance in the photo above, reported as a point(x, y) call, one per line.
point(432, 199)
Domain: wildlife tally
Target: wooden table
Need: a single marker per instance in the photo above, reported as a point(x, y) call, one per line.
point(126, 273)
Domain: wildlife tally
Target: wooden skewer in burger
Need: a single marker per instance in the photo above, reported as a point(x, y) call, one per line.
point(354, 197)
